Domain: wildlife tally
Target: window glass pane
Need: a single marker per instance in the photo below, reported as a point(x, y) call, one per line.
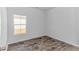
point(17, 29)
point(23, 21)
point(17, 21)
point(23, 28)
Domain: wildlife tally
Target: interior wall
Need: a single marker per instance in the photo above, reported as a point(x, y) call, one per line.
point(45, 22)
point(0, 27)
point(3, 18)
point(77, 23)
point(35, 23)
point(61, 24)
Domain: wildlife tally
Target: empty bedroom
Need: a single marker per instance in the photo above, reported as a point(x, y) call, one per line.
point(39, 28)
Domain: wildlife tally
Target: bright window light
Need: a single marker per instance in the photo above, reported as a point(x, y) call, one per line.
point(19, 24)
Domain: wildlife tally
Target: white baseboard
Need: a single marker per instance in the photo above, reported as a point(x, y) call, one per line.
point(52, 36)
point(64, 40)
point(25, 39)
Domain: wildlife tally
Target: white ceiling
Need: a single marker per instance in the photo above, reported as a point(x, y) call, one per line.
point(45, 8)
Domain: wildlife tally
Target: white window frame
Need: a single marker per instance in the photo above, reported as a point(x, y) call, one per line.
point(20, 24)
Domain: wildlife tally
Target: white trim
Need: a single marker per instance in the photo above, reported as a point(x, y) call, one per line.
point(63, 40)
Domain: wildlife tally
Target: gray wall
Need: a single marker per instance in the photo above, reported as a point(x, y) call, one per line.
point(76, 13)
point(3, 27)
point(61, 24)
point(0, 27)
point(35, 23)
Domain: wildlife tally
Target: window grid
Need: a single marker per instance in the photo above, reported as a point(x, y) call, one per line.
point(20, 28)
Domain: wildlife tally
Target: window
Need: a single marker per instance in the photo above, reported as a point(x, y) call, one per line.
point(19, 24)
